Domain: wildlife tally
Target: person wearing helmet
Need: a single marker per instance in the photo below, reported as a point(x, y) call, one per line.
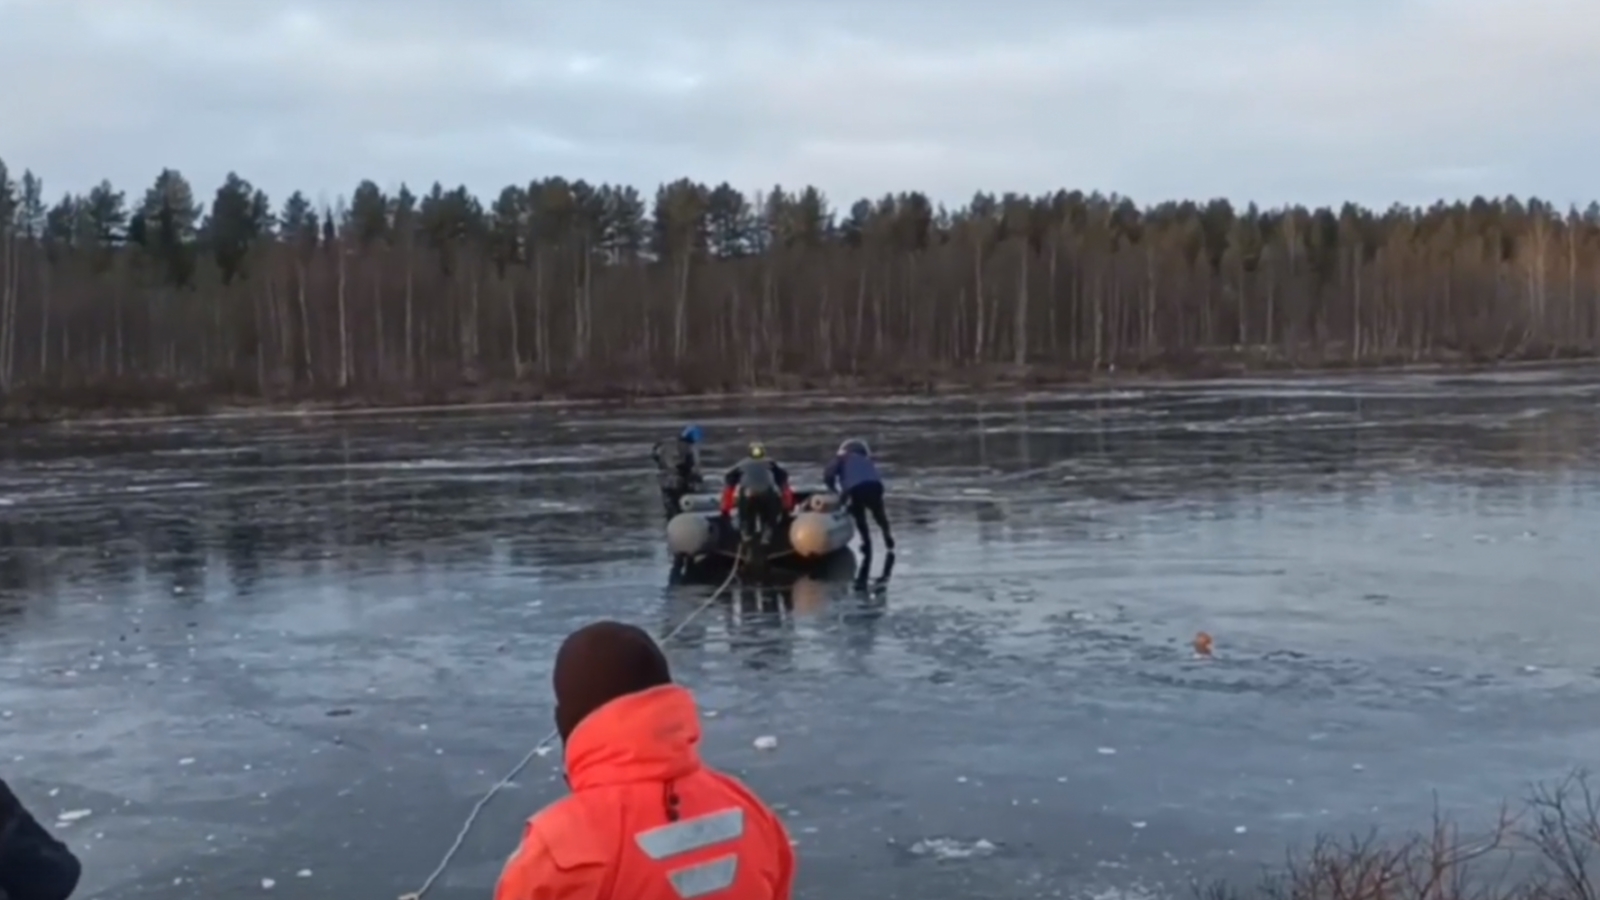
point(678, 467)
point(854, 475)
point(758, 488)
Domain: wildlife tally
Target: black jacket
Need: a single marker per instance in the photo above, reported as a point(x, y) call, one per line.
point(34, 865)
point(678, 465)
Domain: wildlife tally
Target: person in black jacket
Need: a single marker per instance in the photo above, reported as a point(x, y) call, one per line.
point(758, 488)
point(34, 864)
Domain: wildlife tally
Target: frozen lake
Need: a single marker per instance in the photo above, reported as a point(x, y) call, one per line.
point(253, 648)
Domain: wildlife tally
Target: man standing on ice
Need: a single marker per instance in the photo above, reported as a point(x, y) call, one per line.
point(855, 476)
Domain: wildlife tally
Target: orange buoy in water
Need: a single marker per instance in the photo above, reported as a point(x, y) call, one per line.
point(1202, 644)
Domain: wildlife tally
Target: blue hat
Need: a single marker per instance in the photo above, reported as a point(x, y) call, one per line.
point(691, 434)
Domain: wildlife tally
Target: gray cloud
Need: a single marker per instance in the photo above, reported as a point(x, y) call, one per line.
point(1373, 100)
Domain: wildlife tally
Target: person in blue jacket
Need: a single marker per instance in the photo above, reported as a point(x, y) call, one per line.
point(855, 477)
point(34, 864)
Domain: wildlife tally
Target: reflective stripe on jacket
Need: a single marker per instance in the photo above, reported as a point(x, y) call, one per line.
point(647, 820)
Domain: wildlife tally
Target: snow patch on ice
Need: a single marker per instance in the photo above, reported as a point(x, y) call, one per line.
point(944, 848)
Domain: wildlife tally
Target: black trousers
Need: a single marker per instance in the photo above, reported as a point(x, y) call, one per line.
point(868, 498)
point(673, 490)
point(672, 498)
point(758, 511)
point(34, 865)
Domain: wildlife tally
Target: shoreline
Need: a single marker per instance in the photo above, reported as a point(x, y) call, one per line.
point(1537, 848)
point(157, 402)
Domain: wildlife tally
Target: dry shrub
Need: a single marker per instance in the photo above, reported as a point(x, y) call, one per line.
point(1541, 852)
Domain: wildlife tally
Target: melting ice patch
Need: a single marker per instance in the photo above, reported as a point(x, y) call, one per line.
point(206, 451)
point(1126, 892)
point(559, 506)
point(945, 848)
point(434, 464)
point(166, 486)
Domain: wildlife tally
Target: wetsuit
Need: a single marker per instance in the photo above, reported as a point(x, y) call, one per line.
point(34, 865)
point(679, 469)
point(759, 486)
point(855, 476)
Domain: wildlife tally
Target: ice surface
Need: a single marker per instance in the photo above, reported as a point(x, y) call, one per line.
point(224, 638)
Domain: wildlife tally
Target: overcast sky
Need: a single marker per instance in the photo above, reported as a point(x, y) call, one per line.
point(1273, 100)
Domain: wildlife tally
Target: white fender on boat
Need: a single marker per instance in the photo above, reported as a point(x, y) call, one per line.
point(689, 534)
point(823, 501)
point(817, 534)
point(700, 503)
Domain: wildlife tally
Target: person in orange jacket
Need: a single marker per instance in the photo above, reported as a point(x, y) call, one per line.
point(646, 819)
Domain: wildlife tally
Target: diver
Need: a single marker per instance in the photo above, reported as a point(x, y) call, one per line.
point(855, 477)
point(678, 467)
point(758, 489)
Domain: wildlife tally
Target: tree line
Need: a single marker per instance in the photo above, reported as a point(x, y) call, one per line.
point(565, 286)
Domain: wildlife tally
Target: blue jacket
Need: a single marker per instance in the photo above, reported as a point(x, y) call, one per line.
point(850, 470)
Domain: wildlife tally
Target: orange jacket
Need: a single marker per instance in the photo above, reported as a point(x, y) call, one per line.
point(613, 838)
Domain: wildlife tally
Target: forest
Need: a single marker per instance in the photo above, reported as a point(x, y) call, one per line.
point(564, 288)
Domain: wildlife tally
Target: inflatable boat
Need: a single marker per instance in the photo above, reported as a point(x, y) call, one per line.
point(815, 535)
